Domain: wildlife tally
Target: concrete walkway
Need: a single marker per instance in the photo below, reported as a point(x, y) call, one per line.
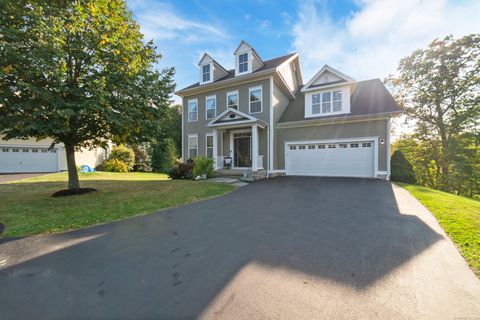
point(282, 248)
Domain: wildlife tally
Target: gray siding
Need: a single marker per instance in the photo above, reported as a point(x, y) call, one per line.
point(280, 103)
point(200, 127)
point(334, 131)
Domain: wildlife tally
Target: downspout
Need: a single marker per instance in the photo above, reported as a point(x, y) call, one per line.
point(388, 148)
point(270, 130)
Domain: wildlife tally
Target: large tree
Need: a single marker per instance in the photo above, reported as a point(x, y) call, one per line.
point(80, 73)
point(439, 88)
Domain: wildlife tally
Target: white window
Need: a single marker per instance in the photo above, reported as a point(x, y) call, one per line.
point(192, 110)
point(232, 99)
point(337, 100)
point(192, 146)
point(4, 150)
point(209, 145)
point(343, 145)
point(243, 63)
point(301, 147)
point(311, 146)
point(255, 99)
point(326, 102)
point(316, 103)
point(332, 146)
point(44, 150)
point(35, 150)
point(25, 150)
point(367, 145)
point(211, 107)
point(321, 146)
point(353, 145)
point(15, 150)
point(206, 73)
point(293, 147)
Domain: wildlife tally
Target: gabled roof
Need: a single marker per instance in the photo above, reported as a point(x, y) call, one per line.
point(268, 65)
point(207, 57)
point(245, 44)
point(367, 97)
point(231, 117)
point(338, 77)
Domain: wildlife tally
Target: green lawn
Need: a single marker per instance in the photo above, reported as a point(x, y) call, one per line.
point(27, 207)
point(458, 216)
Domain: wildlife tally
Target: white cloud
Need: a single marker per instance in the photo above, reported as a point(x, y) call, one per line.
point(159, 21)
point(371, 41)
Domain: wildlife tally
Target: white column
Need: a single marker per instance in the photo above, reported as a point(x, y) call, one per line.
point(215, 149)
point(254, 147)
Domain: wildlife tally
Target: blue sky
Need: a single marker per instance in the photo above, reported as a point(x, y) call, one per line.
point(362, 38)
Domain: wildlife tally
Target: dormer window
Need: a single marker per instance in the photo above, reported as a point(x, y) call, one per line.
point(243, 62)
point(326, 102)
point(206, 73)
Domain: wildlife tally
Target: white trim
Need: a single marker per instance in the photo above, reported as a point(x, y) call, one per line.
point(388, 148)
point(232, 149)
point(323, 70)
point(329, 86)
point(214, 96)
point(345, 90)
point(329, 121)
point(260, 87)
point(188, 109)
point(193, 135)
point(270, 147)
point(226, 99)
point(209, 134)
point(183, 131)
point(382, 173)
point(254, 153)
point(375, 147)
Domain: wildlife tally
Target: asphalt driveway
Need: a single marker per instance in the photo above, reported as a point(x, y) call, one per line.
point(283, 248)
point(7, 177)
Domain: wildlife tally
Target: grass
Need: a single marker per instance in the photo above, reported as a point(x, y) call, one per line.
point(458, 216)
point(27, 207)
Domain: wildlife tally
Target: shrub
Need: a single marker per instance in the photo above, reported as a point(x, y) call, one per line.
point(203, 165)
point(164, 155)
point(124, 154)
point(402, 170)
point(115, 165)
point(143, 161)
point(180, 171)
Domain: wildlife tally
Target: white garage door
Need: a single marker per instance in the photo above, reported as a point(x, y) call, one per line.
point(23, 159)
point(336, 159)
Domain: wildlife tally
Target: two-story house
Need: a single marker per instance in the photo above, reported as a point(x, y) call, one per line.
point(263, 118)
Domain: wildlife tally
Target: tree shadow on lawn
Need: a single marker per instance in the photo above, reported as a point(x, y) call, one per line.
point(174, 264)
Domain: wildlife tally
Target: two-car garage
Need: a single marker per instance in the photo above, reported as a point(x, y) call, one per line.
point(14, 159)
point(341, 158)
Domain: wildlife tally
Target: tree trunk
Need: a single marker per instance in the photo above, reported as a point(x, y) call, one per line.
point(73, 182)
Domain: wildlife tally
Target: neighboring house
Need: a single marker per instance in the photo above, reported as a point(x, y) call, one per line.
point(30, 155)
point(262, 116)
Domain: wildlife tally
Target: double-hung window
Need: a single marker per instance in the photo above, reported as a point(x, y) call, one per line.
point(211, 107)
point(192, 110)
point(337, 100)
point(192, 146)
point(327, 102)
point(243, 62)
point(206, 73)
point(315, 103)
point(255, 99)
point(232, 99)
point(209, 145)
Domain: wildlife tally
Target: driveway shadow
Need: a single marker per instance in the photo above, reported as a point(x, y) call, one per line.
point(174, 263)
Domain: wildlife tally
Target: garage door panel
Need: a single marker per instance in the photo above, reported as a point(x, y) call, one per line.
point(353, 159)
point(22, 159)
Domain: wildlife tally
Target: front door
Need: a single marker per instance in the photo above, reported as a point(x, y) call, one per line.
point(242, 151)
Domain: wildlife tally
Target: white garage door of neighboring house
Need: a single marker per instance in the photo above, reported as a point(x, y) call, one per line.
point(24, 159)
point(336, 159)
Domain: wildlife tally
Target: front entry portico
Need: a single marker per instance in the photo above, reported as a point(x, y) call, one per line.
point(237, 135)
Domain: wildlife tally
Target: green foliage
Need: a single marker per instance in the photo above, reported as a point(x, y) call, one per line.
point(181, 171)
point(203, 165)
point(115, 165)
point(164, 155)
point(124, 154)
point(79, 72)
point(438, 88)
point(170, 126)
point(402, 169)
point(142, 157)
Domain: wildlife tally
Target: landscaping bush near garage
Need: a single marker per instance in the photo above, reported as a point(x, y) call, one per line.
point(203, 166)
point(402, 169)
point(124, 154)
point(115, 165)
